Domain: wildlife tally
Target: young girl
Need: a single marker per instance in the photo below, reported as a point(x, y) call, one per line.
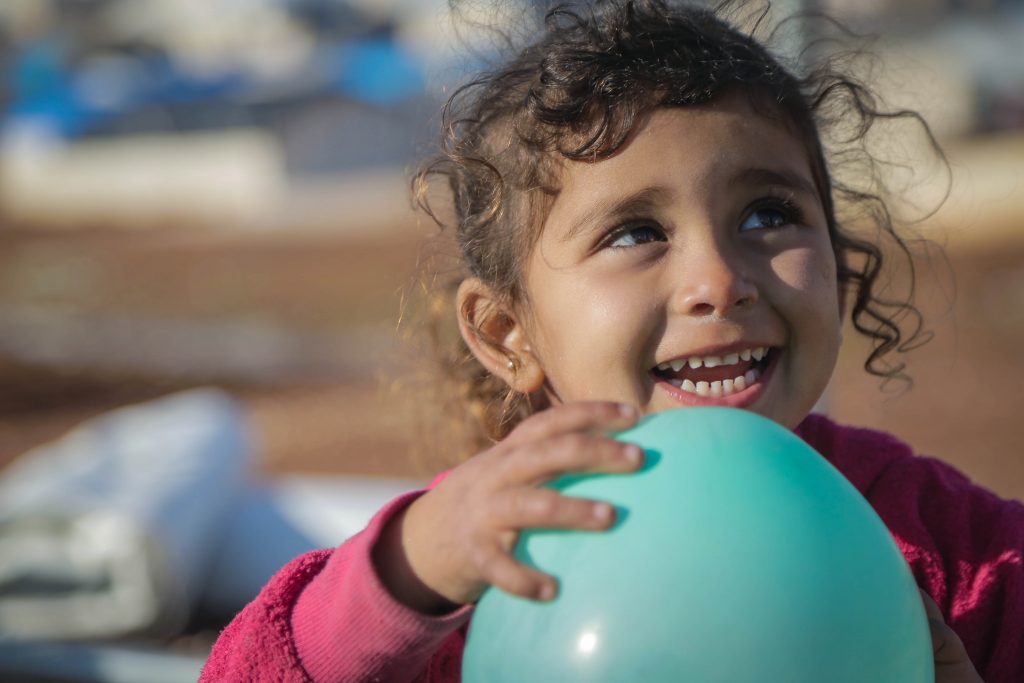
point(647, 220)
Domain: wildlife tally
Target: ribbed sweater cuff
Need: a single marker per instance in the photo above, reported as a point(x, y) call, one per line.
point(347, 626)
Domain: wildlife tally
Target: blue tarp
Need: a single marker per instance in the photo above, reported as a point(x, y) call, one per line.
point(73, 100)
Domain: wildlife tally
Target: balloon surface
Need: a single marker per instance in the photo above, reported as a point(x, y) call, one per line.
point(740, 554)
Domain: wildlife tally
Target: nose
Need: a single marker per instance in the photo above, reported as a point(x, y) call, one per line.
point(714, 285)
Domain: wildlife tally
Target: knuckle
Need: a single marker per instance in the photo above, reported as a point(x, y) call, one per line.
point(574, 413)
point(534, 423)
point(573, 445)
point(572, 511)
point(519, 503)
point(948, 642)
point(595, 412)
point(546, 417)
point(521, 582)
point(576, 512)
point(535, 587)
point(609, 448)
point(481, 558)
point(540, 504)
point(507, 577)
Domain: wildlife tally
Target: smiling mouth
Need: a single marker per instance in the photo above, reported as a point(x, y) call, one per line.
point(716, 375)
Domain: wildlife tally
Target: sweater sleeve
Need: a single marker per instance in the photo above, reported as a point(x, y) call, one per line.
point(964, 544)
point(326, 617)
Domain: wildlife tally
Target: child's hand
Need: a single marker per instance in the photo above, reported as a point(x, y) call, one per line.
point(457, 539)
point(952, 665)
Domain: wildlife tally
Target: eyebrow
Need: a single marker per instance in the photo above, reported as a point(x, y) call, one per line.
point(779, 177)
point(623, 206)
point(649, 197)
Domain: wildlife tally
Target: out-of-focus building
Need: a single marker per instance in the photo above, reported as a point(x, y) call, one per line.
point(217, 110)
point(958, 61)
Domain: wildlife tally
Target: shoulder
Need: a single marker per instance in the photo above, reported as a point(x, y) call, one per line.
point(883, 467)
point(877, 463)
point(862, 455)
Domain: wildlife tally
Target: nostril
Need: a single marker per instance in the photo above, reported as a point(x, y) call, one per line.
point(710, 299)
point(703, 309)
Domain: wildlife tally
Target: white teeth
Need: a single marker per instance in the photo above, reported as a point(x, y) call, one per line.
point(695, 362)
point(721, 388)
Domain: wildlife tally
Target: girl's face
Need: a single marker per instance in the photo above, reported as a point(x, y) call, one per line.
point(694, 267)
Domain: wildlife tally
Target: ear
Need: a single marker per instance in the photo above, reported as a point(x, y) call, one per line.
point(496, 336)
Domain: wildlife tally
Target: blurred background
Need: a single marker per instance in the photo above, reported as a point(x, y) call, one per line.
point(213, 193)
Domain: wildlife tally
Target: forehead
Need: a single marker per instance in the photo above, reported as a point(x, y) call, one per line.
point(697, 147)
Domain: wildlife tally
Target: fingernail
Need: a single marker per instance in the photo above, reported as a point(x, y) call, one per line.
point(634, 454)
point(602, 512)
point(627, 410)
point(546, 592)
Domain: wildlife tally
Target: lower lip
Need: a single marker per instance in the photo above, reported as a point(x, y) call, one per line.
point(739, 399)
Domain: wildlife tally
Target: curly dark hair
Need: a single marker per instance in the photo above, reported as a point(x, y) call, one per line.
point(577, 93)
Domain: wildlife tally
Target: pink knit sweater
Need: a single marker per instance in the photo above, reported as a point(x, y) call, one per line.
point(326, 617)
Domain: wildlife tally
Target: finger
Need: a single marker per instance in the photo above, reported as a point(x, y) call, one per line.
point(930, 608)
point(526, 508)
point(940, 632)
point(946, 644)
point(952, 663)
point(944, 639)
point(580, 416)
point(569, 453)
point(504, 573)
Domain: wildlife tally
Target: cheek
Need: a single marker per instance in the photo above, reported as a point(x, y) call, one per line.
point(808, 277)
point(597, 297)
point(582, 323)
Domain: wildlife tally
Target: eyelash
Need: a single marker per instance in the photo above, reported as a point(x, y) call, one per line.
point(626, 228)
point(793, 214)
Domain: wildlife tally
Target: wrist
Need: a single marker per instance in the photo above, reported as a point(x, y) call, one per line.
point(397, 575)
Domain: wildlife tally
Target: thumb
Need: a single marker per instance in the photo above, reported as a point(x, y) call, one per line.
point(952, 664)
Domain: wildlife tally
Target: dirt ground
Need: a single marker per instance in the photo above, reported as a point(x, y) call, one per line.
point(963, 406)
point(345, 291)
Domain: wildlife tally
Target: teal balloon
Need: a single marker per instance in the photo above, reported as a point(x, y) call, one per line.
point(740, 555)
